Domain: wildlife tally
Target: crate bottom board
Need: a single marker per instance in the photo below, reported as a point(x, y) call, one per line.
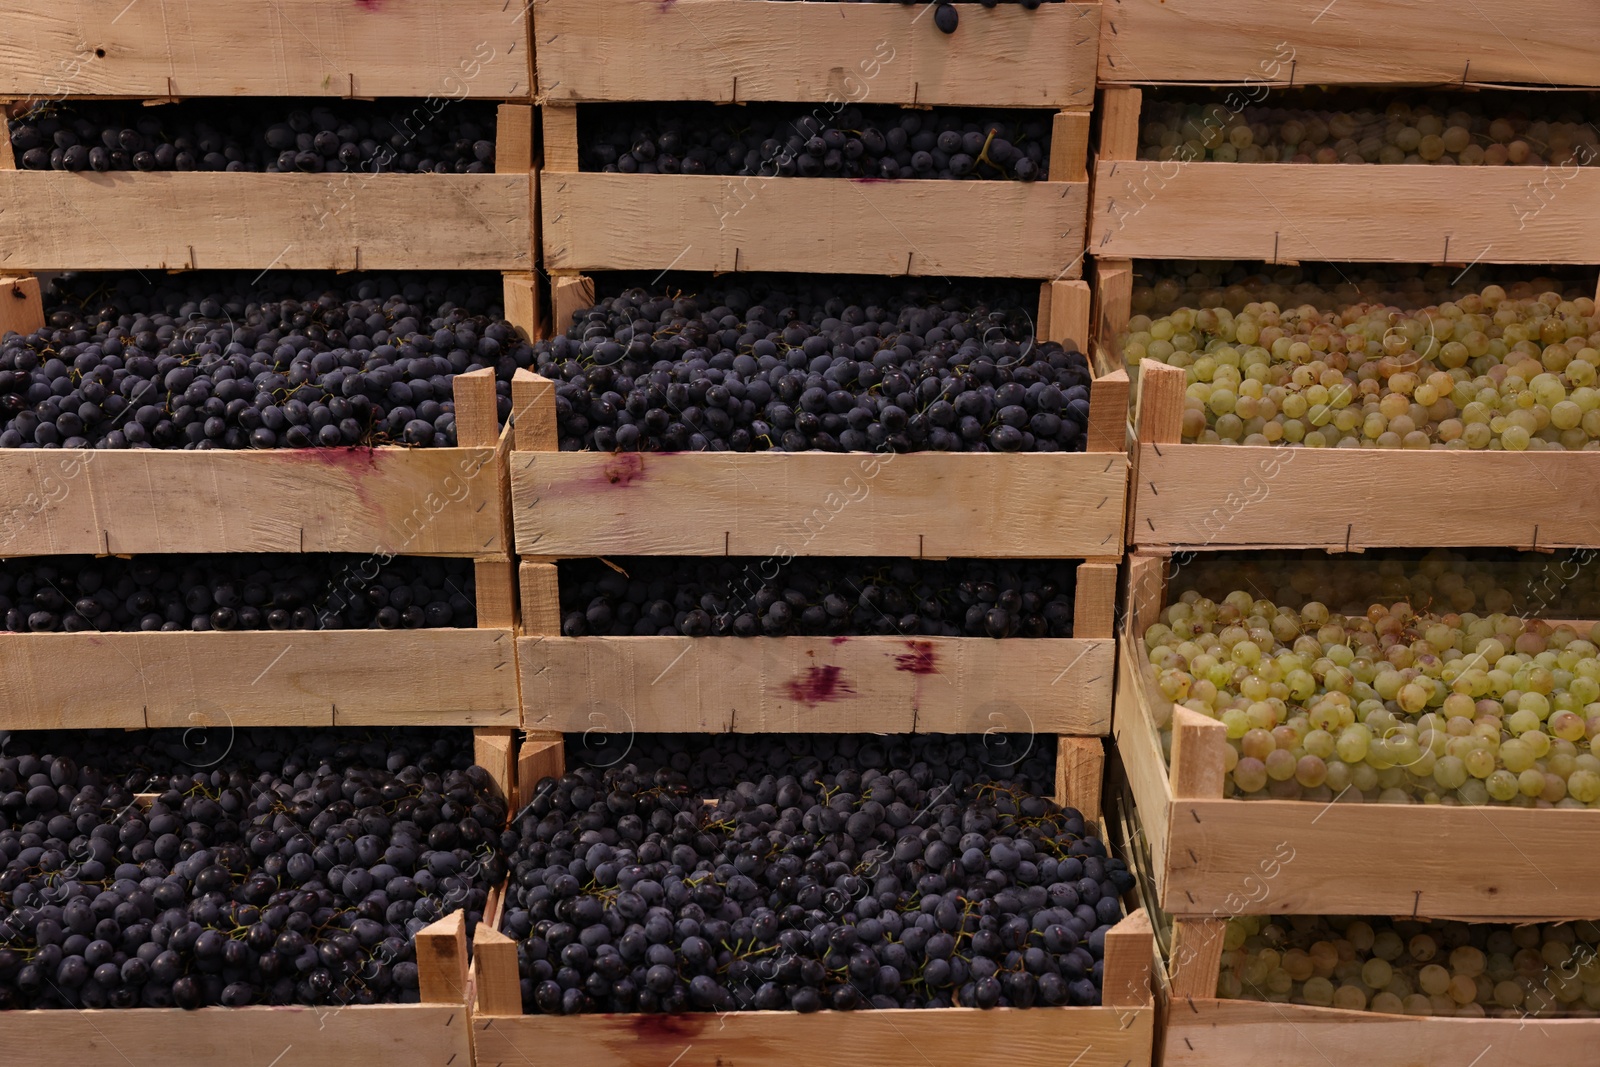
point(415, 1035)
point(1236, 1033)
point(442, 677)
point(817, 684)
point(952, 1037)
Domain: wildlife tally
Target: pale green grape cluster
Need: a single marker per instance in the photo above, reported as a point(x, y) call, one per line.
point(1456, 134)
point(1410, 967)
point(1483, 372)
point(1387, 707)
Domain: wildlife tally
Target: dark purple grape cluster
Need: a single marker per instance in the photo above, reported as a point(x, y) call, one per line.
point(222, 360)
point(294, 868)
point(48, 594)
point(816, 596)
point(788, 141)
point(256, 135)
point(814, 364)
point(826, 874)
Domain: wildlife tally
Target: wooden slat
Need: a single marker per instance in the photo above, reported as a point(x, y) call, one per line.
point(442, 960)
point(1219, 496)
point(193, 220)
point(1309, 42)
point(513, 139)
point(893, 1037)
point(1080, 774)
point(542, 755)
point(560, 136)
point(1129, 960)
point(1069, 147)
point(1199, 747)
point(1119, 124)
point(421, 501)
point(720, 503)
point(256, 678)
point(704, 222)
point(21, 304)
point(1108, 413)
point(1147, 591)
point(570, 294)
point(1162, 392)
point(750, 50)
point(1139, 747)
point(477, 414)
point(494, 750)
point(1095, 603)
point(1068, 321)
point(533, 412)
point(814, 684)
point(541, 599)
point(522, 304)
point(1196, 958)
point(1227, 1033)
point(1287, 211)
point(1113, 299)
point(442, 51)
point(494, 974)
point(495, 581)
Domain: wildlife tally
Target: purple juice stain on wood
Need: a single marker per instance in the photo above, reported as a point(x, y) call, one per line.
point(370, 5)
point(838, 640)
point(819, 685)
point(665, 1027)
point(623, 468)
point(922, 659)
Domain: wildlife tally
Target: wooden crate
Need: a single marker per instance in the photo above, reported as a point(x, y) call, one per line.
point(428, 677)
point(1202, 1030)
point(836, 54)
point(818, 684)
point(195, 220)
point(434, 1033)
point(595, 221)
point(1281, 212)
point(1117, 1034)
point(926, 504)
point(1346, 42)
point(1214, 857)
point(166, 48)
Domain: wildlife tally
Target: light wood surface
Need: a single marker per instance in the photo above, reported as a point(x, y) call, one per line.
point(541, 755)
point(1196, 960)
point(835, 53)
point(1199, 747)
point(689, 222)
point(1119, 123)
point(423, 501)
point(1345, 212)
point(522, 301)
point(816, 684)
point(1108, 413)
point(1349, 42)
point(494, 749)
point(205, 221)
point(494, 973)
point(438, 677)
point(513, 139)
point(1143, 762)
point(541, 599)
point(1223, 496)
point(476, 408)
point(442, 960)
point(1129, 961)
point(1095, 601)
point(569, 294)
point(1069, 146)
point(1113, 298)
point(1161, 396)
point(560, 137)
point(495, 584)
point(158, 48)
point(1060, 505)
point(1229, 1033)
point(533, 412)
point(1080, 774)
point(1064, 314)
point(21, 304)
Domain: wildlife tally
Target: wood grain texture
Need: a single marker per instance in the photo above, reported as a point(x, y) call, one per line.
point(533, 412)
point(424, 501)
point(1199, 754)
point(1119, 123)
point(1069, 146)
point(1220, 496)
point(1147, 590)
point(1095, 600)
point(1143, 762)
point(522, 304)
point(442, 960)
point(1113, 301)
point(1060, 505)
point(1228, 1033)
point(570, 295)
point(816, 684)
point(494, 973)
point(21, 304)
point(153, 48)
point(1353, 42)
point(495, 584)
point(540, 756)
point(1196, 958)
point(494, 749)
point(1108, 414)
point(1162, 391)
point(476, 409)
point(513, 139)
point(752, 50)
point(197, 221)
point(897, 1037)
point(1080, 774)
point(560, 137)
point(705, 222)
point(1287, 211)
point(1129, 960)
point(1068, 320)
point(541, 599)
point(418, 1035)
point(257, 678)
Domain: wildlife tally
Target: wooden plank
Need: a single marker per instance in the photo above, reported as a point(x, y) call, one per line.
point(522, 304)
point(1139, 746)
point(1069, 147)
point(541, 599)
point(1068, 320)
point(1029, 506)
point(495, 582)
point(533, 412)
point(21, 304)
point(1227, 1033)
point(749, 50)
point(1199, 751)
point(1119, 124)
point(328, 1035)
point(1287, 211)
point(192, 220)
point(1129, 961)
point(815, 684)
point(1162, 392)
point(1080, 774)
point(1196, 958)
point(477, 413)
point(1113, 298)
point(1147, 591)
point(705, 222)
point(540, 756)
point(439, 677)
point(560, 136)
point(1219, 496)
point(494, 750)
point(421, 501)
point(1108, 413)
point(513, 139)
point(444, 51)
point(494, 974)
point(893, 1037)
point(570, 295)
point(1095, 600)
point(442, 960)
point(1307, 42)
